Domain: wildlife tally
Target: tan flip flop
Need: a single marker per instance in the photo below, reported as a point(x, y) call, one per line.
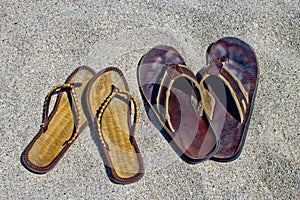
point(59, 129)
point(108, 108)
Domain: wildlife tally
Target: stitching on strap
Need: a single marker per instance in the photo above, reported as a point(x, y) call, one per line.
point(240, 86)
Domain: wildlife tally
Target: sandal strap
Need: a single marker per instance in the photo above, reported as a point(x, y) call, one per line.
point(76, 116)
point(170, 75)
point(238, 92)
point(105, 104)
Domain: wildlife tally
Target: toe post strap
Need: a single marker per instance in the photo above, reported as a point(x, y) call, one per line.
point(70, 89)
point(99, 116)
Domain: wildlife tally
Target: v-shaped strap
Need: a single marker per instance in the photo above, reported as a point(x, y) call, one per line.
point(69, 87)
point(236, 88)
point(171, 74)
point(105, 104)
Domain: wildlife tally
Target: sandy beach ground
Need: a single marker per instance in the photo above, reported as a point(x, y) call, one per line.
point(42, 42)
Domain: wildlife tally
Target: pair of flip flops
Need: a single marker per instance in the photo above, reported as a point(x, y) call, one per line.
point(103, 100)
point(204, 116)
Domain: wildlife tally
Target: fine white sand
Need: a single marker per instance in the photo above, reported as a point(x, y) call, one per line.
point(43, 42)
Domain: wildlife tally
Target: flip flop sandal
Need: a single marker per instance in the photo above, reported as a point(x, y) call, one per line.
point(231, 78)
point(108, 108)
point(59, 129)
point(172, 99)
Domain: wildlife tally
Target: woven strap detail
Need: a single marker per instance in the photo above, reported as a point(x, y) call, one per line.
point(54, 90)
point(105, 104)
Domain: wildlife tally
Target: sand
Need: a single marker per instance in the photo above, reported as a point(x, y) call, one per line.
point(43, 42)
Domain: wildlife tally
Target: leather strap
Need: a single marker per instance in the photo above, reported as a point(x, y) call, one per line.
point(172, 73)
point(237, 90)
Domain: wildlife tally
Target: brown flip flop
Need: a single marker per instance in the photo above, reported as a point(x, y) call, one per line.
point(231, 78)
point(58, 130)
point(170, 91)
point(108, 108)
